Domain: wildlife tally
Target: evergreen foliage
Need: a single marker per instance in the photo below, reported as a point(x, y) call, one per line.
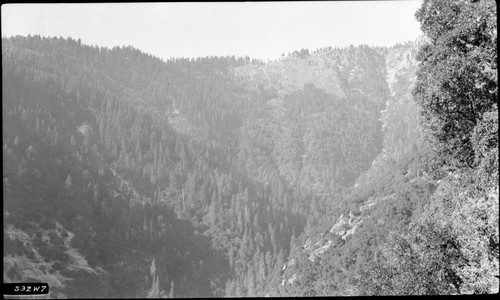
point(224, 176)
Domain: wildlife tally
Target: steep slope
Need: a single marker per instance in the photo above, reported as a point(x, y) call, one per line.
point(89, 139)
point(298, 127)
point(326, 257)
point(46, 255)
point(451, 246)
point(205, 166)
point(56, 143)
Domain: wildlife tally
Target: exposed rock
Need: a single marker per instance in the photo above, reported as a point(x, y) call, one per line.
point(315, 68)
point(35, 266)
point(291, 280)
point(338, 225)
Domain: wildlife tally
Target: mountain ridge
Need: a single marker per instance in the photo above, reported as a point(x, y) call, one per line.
point(216, 176)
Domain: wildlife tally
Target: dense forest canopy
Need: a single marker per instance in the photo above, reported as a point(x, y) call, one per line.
point(340, 171)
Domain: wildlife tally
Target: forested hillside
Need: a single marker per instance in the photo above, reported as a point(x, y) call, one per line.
point(129, 153)
point(423, 220)
point(326, 172)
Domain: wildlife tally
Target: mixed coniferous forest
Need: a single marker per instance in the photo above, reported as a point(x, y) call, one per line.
point(340, 171)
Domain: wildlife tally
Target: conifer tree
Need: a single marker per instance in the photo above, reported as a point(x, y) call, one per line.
point(171, 293)
point(155, 291)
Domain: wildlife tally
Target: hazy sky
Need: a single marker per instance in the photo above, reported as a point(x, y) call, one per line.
point(257, 29)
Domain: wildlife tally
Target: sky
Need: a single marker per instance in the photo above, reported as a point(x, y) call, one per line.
point(261, 30)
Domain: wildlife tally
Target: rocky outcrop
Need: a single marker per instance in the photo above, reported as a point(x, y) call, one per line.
point(344, 227)
point(36, 257)
point(316, 246)
point(292, 73)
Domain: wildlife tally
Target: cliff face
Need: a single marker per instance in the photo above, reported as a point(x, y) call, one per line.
point(400, 116)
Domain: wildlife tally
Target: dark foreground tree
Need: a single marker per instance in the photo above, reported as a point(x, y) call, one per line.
point(457, 79)
point(452, 247)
